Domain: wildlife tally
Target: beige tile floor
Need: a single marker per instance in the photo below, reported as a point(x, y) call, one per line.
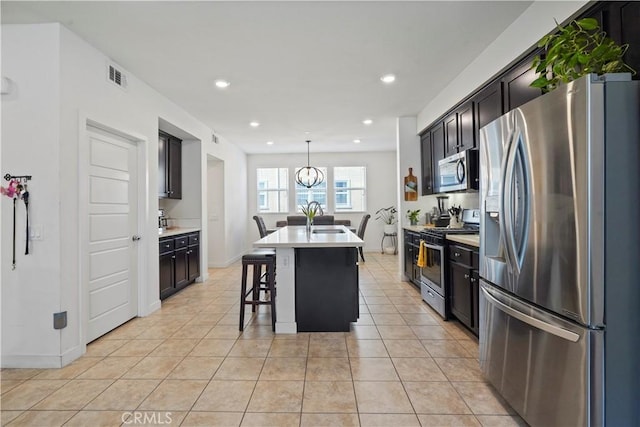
point(188, 365)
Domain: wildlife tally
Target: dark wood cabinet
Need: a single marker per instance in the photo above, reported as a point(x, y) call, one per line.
point(515, 85)
point(437, 153)
point(167, 266)
point(459, 131)
point(169, 166)
point(488, 106)
point(427, 164)
point(461, 293)
point(466, 127)
point(463, 284)
point(179, 262)
point(411, 250)
point(193, 262)
point(326, 298)
point(451, 135)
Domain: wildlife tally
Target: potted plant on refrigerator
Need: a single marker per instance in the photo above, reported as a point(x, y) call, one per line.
point(578, 49)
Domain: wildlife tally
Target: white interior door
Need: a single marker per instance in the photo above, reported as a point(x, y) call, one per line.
point(112, 258)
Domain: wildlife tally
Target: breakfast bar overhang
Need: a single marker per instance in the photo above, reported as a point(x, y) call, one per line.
point(316, 277)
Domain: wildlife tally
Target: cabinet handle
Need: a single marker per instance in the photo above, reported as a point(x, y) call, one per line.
point(473, 280)
point(466, 276)
point(456, 254)
point(173, 257)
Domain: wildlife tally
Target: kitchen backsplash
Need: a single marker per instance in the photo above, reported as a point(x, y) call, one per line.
point(427, 203)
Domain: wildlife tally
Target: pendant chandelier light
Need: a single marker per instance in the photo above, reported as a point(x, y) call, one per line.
point(309, 176)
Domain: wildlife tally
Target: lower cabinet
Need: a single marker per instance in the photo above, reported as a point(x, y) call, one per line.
point(463, 285)
point(179, 262)
point(411, 250)
point(326, 281)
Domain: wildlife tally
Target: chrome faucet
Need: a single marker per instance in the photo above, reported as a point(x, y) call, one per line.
point(314, 203)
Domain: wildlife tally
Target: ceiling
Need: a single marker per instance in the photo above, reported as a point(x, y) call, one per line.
point(302, 69)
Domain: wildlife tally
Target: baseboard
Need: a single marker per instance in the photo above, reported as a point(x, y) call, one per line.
point(72, 354)
point(31, 361)
point(156, 305)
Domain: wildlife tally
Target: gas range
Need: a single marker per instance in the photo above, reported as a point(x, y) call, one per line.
point(437, 235)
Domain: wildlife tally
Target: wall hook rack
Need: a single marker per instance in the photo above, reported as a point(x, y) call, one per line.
point(20, 178)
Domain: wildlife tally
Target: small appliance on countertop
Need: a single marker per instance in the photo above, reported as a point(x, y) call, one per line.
point(162, 221)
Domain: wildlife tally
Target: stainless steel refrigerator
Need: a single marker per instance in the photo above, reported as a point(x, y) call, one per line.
point(559, 254)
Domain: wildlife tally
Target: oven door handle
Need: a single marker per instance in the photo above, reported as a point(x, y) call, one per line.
point(435, 247)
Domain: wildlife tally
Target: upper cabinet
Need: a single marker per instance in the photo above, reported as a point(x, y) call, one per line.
point(169, 166)
point(458, 130)
point(515, 84)
point(427, 164)
point(488, 105)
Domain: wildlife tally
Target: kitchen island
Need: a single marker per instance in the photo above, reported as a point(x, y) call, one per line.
point(316, 277)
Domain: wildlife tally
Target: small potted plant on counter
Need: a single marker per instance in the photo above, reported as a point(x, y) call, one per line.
point(413, 216)
point(388, 217)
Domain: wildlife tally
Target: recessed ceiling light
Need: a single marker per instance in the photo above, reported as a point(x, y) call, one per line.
point(307, 133)
point(388, 78)
point(222, 84)
point(367, 121)
point(254, 124)
point(356, 141)
point(269, 142)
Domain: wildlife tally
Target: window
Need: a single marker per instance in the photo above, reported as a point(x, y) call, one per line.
point(350, 185)
point(318, 193)
point(273, 190)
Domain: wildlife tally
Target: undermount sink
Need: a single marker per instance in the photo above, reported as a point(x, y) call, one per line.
point(327, 231)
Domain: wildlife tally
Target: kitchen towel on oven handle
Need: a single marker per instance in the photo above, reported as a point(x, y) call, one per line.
point(422, 254)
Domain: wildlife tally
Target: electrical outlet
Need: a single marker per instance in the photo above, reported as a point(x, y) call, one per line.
point(36, 232)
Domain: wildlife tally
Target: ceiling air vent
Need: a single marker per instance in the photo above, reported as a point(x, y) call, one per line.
point(116, 76)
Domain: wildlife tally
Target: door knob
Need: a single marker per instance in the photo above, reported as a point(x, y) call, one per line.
point(135, 238)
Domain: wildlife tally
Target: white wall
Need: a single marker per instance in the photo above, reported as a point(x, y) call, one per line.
point(522, 34)
point(381, 187)
point(30, 146)
point(61, 80)
point(215, 209)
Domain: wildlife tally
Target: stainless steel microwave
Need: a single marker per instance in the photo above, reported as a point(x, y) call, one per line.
point(458, 172)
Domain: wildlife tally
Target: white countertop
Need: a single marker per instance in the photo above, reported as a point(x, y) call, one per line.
point(467, 239)
point(295, 236)
point(177, 230)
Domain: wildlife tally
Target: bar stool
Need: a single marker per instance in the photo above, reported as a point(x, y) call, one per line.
point(261, 282)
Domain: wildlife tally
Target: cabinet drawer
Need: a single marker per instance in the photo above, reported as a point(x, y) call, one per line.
point(166, 245)
point(194, 239)
point(460, 255)
point(181, 241)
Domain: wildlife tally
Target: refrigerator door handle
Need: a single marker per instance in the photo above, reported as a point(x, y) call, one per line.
point(506, 227)
point(532, 321)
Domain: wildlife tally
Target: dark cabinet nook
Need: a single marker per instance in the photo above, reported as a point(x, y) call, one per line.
point(411, 249)
point(169, 166)
point(463, 285)
point(179, 262)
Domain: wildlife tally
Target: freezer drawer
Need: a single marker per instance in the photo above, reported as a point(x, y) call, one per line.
point(548, 369)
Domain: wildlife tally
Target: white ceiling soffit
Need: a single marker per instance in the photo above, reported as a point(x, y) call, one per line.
point(295, 67)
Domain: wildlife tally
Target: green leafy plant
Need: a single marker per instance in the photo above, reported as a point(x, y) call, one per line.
point(578, 49)
point(310, 211)
point(387, 215)
point(413, 215)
